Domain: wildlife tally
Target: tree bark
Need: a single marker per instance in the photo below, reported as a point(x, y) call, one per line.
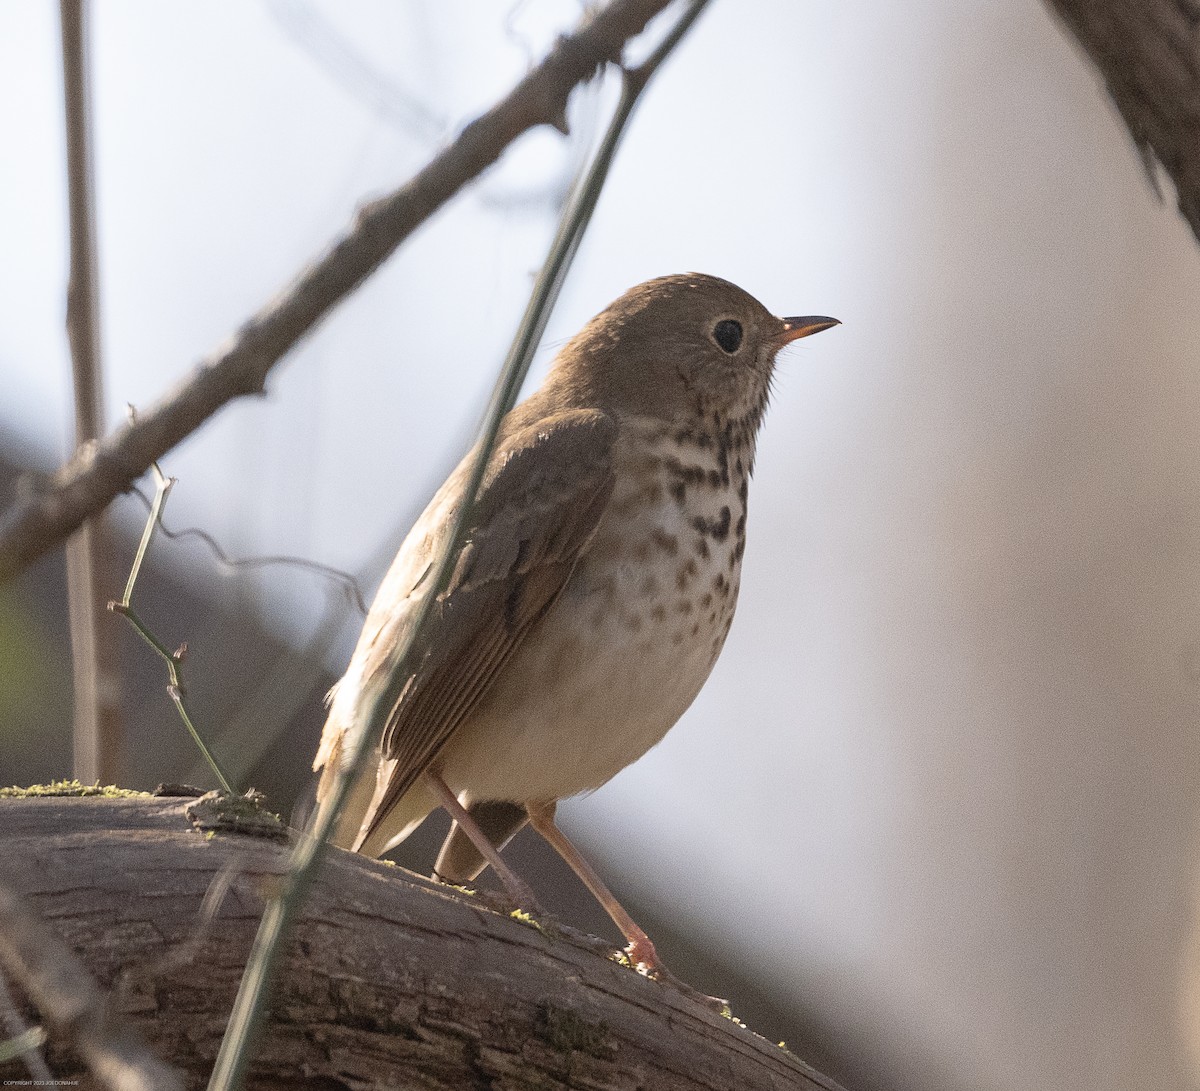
point(390, 980)
point(1148, 52)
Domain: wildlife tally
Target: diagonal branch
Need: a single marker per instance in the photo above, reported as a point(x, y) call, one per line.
point(91, 480)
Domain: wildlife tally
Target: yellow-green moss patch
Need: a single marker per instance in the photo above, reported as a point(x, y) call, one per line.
point(528, 919)
point(71, 788)
point(221, 813)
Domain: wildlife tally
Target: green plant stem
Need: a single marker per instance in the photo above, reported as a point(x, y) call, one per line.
point(162, 488)
point(173, 659)
point(246, 1018)
point(176, 693)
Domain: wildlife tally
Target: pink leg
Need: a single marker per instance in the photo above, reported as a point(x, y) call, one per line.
point(641, 951)
point(517, 889)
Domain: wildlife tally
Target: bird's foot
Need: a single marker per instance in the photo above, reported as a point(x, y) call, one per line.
point(521, 897)
point(644, 957)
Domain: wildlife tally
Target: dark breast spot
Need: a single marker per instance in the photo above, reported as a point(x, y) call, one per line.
point(718, 528)
point(686, 573)
point(668, 543)
point(687, 473)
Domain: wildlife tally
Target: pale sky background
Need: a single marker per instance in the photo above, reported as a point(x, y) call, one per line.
point(941, 789)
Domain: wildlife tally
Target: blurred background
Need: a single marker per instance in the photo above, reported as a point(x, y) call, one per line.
point(934, 818)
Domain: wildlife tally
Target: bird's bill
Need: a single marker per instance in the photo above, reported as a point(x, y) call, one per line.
point(797, 327)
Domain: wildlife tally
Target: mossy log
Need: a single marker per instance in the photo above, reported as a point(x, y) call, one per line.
point(390, 980)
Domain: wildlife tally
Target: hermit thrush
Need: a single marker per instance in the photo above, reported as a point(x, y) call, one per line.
point(593, 594)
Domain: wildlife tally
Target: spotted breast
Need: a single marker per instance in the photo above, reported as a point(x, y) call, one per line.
point(627, 646)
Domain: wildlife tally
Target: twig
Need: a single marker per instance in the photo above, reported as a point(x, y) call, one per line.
point(162, 486)
point(173, 659)
point(24, 1042)
point(60, 987)
point(92, 479)
point(282, 687)
point(97, 715)
point(344, 580)
point(248, 1009)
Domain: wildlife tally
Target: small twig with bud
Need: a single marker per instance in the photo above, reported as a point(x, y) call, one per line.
point(173, 659)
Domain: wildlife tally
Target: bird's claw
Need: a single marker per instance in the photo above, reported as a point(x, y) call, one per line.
point(644, 958)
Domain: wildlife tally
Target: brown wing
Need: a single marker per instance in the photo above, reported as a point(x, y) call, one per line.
point(537, 510)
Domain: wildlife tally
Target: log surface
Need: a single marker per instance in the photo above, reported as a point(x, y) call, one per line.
point(390, 980)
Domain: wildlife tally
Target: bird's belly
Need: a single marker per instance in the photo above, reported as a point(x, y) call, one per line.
point(607, 672)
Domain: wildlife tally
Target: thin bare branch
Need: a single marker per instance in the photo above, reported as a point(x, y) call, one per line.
point(94, 478)
point(97, 715)
point(65, 993)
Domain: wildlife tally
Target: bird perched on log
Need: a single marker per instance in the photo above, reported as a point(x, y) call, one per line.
point(593, 593)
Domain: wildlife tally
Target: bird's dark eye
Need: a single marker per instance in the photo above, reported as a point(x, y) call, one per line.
point(728, 334)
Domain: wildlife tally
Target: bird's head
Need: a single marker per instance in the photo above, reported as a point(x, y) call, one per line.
point(681, 349)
